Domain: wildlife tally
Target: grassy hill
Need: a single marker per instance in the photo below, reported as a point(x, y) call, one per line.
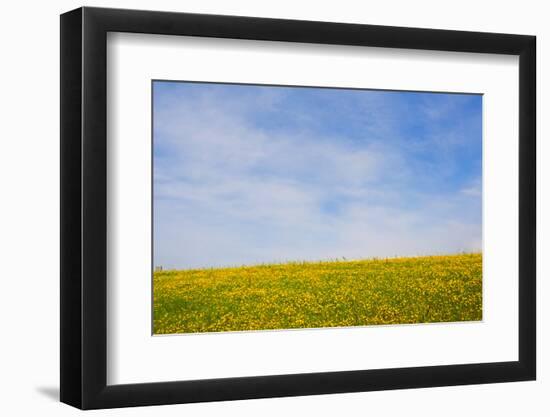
point(319, 294)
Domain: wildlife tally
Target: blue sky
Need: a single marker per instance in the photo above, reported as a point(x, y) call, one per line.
point(249, 174)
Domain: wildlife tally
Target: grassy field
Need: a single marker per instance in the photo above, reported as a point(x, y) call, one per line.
point(319, 294)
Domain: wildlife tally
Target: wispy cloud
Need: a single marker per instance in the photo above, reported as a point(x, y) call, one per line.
point(473, 189)
point(246, 174)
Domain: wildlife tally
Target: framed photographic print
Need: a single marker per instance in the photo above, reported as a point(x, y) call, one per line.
point(257, 207)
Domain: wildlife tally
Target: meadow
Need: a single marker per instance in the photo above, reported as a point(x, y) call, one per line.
point(319, 294)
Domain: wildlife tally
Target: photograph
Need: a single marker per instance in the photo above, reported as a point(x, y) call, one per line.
point(273, 205)
point(298, 207)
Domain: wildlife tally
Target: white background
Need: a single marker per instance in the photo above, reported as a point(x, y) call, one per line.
point(29, 221)
point(134, 356)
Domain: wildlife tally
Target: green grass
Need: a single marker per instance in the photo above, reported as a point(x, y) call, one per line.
point(319, 294)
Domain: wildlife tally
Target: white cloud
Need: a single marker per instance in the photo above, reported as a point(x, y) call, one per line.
point(473, 189)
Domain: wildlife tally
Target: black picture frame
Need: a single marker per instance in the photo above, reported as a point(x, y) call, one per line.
point(84, 207)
